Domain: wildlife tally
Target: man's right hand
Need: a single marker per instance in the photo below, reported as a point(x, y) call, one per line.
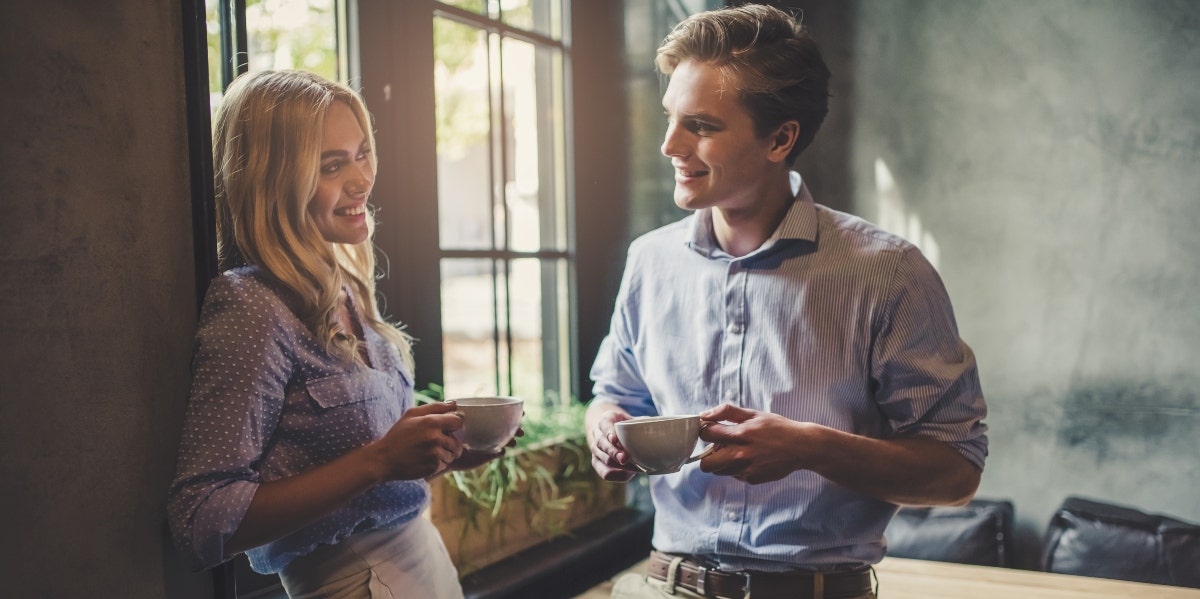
point(608, 456)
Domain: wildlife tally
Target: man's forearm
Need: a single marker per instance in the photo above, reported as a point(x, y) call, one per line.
point(903, 471)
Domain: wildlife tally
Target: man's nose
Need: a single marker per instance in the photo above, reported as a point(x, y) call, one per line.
point(673, 143)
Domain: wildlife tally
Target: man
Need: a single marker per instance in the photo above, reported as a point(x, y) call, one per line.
point(822, 350)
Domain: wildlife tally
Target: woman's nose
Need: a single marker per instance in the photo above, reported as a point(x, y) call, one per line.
point(360, 181)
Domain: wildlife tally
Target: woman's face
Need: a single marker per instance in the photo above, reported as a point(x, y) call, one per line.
point(339, 206)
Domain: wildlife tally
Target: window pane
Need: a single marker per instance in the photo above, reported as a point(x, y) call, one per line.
point(212, 21)
point(470, 325)
point(538, 16)
point(463, 140)
point(526, 291)
point(521, 132)
point(293, 34)
point(532, 125)
point(476, 6)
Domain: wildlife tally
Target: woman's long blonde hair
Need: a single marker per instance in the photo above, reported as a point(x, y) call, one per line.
point(266, 154)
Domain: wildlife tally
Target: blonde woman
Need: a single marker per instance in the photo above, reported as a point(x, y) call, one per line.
point(301, 444)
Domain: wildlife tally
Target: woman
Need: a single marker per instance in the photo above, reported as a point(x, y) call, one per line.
point(301, 444)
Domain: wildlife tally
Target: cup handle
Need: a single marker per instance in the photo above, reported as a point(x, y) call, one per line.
point(707, 450)
point(702, 454)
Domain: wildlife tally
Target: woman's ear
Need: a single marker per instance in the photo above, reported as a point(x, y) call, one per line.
point(783, 140)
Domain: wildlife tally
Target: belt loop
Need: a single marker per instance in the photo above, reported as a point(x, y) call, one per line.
point(701, 580)
point(818, 585)
point(673, 574)
point(876, 577)
point(746, 586)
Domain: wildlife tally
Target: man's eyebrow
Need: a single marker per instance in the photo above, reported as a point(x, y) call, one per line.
point(700, 116)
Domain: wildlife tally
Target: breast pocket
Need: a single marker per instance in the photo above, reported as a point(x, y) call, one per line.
point(346, 389)
point(364, 404)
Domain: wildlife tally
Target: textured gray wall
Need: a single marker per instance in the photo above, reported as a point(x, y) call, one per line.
point(96, 297)
point(1050, 149)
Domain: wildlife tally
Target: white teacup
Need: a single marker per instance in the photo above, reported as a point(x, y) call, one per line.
point(661, 444)
point(489, 422)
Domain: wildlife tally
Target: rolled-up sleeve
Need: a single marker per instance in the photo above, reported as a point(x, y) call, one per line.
point(240, 369)
point(616, 374)
point(926, 376)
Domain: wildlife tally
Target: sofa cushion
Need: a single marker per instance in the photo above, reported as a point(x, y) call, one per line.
point(978, 533)
point(1092, 538)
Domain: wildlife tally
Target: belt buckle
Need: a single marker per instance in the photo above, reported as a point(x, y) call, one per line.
point(701, 579)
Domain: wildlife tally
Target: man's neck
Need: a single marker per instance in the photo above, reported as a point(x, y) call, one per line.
point(740, 231)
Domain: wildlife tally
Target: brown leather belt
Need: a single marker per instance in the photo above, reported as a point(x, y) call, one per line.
point(697, 578)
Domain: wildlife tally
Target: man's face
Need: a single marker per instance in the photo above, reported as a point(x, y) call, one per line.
point(719, 161)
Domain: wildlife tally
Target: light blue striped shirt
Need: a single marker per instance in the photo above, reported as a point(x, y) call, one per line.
point(832, 321)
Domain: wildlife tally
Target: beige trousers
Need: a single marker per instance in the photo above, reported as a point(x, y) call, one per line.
point(406, 561)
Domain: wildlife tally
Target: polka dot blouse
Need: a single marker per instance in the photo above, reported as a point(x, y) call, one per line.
point(267, 402)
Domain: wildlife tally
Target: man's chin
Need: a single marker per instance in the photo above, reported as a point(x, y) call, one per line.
point(688, 201)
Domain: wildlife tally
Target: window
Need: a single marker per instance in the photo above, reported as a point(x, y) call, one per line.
point(310, 35)
point(647, 22)
point(504, 245)
point(503, 249)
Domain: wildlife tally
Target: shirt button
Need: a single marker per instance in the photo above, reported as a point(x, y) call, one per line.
point(732, 516)
point(735, 328)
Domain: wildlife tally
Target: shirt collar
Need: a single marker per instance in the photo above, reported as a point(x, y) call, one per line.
point(800, 223)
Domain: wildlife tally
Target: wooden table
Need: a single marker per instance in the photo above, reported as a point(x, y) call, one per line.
point(919, 579)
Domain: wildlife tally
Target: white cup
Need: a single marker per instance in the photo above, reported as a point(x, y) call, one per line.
point(661, 444)
point(489, 422)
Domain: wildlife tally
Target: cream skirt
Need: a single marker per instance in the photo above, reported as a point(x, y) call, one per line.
point(406, 561)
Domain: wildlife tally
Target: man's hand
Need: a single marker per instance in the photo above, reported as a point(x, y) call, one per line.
point(608, 456)
point(755, 447)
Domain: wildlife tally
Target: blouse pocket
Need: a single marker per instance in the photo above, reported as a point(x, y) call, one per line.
point(347, 389)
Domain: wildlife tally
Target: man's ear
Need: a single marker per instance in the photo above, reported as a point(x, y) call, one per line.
point(783, 139)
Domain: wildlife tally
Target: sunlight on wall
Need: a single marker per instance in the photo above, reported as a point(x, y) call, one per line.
point(893, 215)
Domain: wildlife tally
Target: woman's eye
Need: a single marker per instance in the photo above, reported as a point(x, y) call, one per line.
point(331, 168)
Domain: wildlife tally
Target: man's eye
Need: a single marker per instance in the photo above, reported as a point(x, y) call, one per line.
point(700, 127)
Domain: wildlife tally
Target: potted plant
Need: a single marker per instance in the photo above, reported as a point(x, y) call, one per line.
point(543, 488)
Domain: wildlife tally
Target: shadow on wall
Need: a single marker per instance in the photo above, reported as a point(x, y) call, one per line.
point(1121, 420)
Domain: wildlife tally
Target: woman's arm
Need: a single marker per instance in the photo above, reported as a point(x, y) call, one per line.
point(419, 445)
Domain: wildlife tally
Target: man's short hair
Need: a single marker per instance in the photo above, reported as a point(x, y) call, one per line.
point(764, 54)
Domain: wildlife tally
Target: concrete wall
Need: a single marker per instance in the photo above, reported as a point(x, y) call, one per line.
point(1048, 150)
point(96, 297)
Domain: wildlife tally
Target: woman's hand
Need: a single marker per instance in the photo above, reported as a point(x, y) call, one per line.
point(473, 459)
point(421, 444)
